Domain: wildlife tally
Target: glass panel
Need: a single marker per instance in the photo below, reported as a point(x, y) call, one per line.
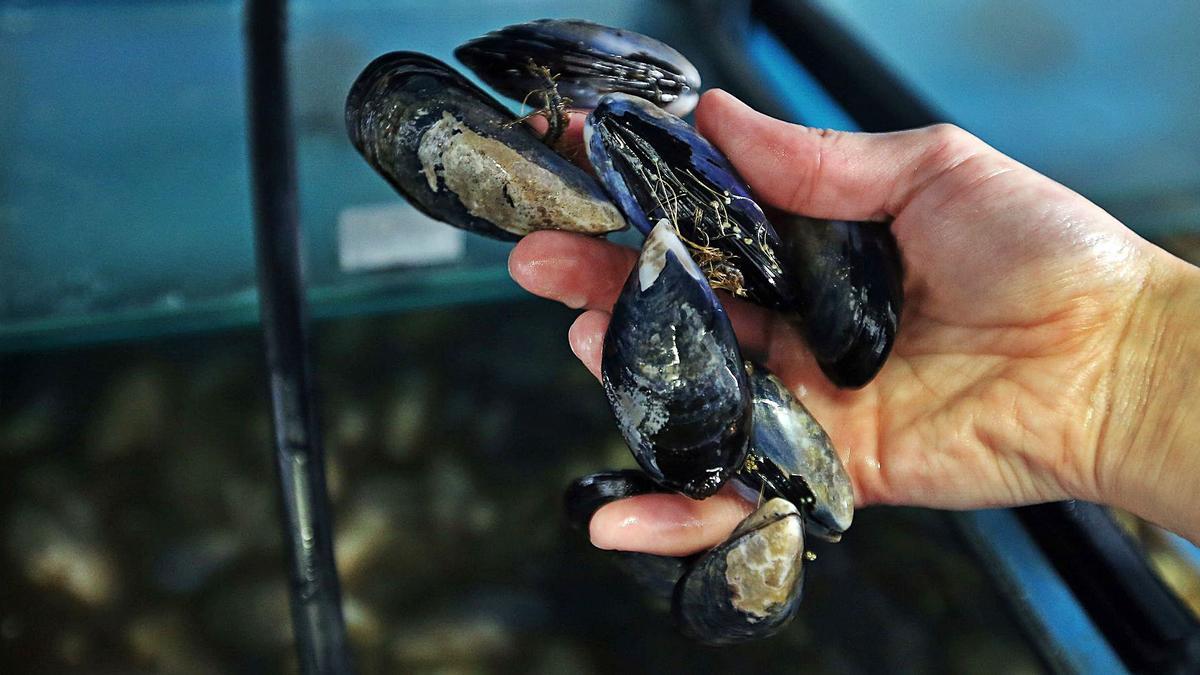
point(124, 195)
point(1099, 97)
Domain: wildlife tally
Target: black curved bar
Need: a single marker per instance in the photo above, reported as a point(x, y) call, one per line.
point(1146, 624)
point(299, 459)
point(863, 86)
point(1144, 621)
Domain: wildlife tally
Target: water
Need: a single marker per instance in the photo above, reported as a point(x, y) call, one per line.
point(139, 533)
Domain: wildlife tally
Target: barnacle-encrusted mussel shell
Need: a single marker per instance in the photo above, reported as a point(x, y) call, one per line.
point(587, 60)
point(749, 587)
point(792, 457)
point(461, 157)
point(849, 293)
point(673, 373)
point(657, 166)
point(657, 574)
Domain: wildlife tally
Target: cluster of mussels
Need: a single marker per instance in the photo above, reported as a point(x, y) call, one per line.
point(694, 413)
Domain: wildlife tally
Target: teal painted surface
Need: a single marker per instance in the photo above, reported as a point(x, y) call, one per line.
point(1051, 607)
point(798, 91)
point(124, 203)
point(1099, 96)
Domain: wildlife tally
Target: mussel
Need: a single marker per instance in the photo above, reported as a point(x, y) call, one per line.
point(656, 167)
point(657, 574)
point(586, 495)
point(746, 588)
point(792, 457)
point(693, 413)
point(749, 586)
point(583, 61)
point(673, 373)
point(461, 157)
point(849, 293)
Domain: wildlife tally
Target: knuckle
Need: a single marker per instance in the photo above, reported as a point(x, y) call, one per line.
point(818, 156)
point(936, 151)
point(825, 134)
point(951, 138)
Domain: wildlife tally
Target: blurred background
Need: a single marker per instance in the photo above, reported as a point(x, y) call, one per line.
point(138, 521)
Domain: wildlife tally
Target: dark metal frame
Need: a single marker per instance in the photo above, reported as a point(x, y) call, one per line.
point(317, 622)
point(1147, 625)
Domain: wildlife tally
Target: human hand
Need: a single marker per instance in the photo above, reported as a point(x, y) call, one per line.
point(1027, 363)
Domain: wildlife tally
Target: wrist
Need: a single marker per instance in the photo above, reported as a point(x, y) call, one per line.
point(1148, 457)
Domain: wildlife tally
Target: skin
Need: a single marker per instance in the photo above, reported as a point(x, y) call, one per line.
point(1046, 352)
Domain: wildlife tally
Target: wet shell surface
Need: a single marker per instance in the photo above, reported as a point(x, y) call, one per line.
point(657, 166)
point(656, 574)
point(461, 157)
point(586, 495)
point(673, 373)
point(792, 457)
point(750, 586)
point(849, 293)
point(586, 61)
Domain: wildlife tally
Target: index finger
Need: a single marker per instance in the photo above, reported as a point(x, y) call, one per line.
point(587, 273)
point(668, 524)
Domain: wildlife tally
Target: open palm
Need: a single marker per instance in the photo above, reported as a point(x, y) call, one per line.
point(1018, 292)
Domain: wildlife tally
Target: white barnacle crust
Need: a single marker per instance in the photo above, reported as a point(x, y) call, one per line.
point(762, 567)
point(661, 240)
point(637, 410)
point(496, 183)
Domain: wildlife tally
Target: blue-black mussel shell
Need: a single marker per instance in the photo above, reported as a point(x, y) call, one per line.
point(657, 574)
point(587, 60)
point(749, 587)
point(657, 166)
point(461, 157)
point(586, 495)
point(849, 293)
point(746, 588)
point(673, 373)
point(792, 457)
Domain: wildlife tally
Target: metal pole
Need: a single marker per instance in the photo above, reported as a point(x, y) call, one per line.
point(299, 460)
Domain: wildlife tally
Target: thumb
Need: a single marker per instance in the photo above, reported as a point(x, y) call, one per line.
point(831, 174)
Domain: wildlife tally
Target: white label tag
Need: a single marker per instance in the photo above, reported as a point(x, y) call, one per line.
point(380, 236)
